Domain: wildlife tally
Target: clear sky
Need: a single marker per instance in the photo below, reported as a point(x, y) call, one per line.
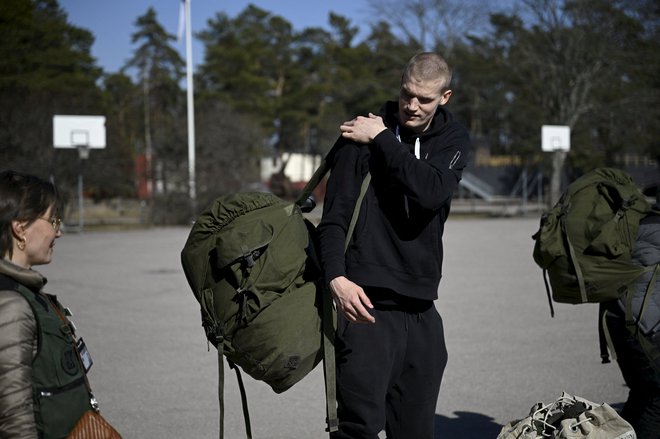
point(113, 21)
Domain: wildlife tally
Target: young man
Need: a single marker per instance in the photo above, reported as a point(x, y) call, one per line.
point(390, 342)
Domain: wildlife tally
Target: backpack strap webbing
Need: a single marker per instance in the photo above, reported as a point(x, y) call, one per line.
point(329, 327)
point(329, 373)
point(317, 177)
point(221, 386)
point(604, 339)
point(244, 403)
point(356, 210)
point(221, 390)
point(604, 334)
point(574, 260)
point(547, 291)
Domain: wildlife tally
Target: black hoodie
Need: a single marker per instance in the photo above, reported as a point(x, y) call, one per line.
point(397, 243)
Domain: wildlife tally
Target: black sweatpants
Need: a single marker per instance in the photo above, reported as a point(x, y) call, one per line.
point(389, 372)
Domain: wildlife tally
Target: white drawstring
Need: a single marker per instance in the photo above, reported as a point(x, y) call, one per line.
point(418, 145)
point(418, 148)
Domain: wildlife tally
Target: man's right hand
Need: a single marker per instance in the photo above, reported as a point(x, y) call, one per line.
point(363, 129)
point(351, 300)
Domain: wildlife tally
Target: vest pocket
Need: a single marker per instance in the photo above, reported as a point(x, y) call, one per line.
point(60, 391)
point(58, 409)
point(60, 353)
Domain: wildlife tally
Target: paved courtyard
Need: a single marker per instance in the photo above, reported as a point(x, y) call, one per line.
point(156, 378)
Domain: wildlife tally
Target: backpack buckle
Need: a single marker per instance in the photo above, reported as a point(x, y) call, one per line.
point(215, 334)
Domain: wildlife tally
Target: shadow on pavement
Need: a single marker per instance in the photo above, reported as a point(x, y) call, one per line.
point(466, 425)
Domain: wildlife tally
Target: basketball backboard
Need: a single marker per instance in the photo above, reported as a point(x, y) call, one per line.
point(78, 131)
point(555, 138)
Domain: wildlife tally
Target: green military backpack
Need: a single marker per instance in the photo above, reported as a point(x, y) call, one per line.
point(585, 241)
point(251, 263)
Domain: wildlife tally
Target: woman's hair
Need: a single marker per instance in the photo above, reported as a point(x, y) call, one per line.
point(24, 197)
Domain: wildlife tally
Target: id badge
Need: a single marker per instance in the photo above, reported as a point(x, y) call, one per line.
point(85, 357)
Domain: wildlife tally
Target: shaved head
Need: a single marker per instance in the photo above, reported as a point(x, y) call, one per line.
point(428, 67)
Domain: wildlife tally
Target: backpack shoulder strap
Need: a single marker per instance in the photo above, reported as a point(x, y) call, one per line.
point(303, 200)
point(356, 209)
point(328, 323)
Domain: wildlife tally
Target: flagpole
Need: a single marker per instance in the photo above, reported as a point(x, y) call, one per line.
point(191, 111)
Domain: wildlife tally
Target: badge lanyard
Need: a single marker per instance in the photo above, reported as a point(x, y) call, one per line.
point(84, 358)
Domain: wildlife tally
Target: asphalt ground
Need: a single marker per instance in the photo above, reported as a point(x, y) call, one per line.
point(156, 378)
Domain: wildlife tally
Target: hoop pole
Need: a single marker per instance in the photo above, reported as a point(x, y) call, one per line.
point(191, 110)
point(83, 152)
point(80, 200)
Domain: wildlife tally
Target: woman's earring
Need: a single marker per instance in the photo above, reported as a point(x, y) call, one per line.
point(21, 243)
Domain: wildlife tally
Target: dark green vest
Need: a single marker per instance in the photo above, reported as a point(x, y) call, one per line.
point(58, 381)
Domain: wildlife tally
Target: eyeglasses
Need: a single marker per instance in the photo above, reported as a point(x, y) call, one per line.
point(55, 222)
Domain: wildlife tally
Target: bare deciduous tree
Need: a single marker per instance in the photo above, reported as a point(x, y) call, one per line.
point(433, 24)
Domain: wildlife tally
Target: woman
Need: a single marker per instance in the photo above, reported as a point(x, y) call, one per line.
point(44, 391)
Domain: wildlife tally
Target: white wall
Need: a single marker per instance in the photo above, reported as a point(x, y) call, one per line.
point(300, 167)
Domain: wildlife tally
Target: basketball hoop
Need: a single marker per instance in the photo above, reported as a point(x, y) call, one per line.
point(82, 133)
point(83, 152)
